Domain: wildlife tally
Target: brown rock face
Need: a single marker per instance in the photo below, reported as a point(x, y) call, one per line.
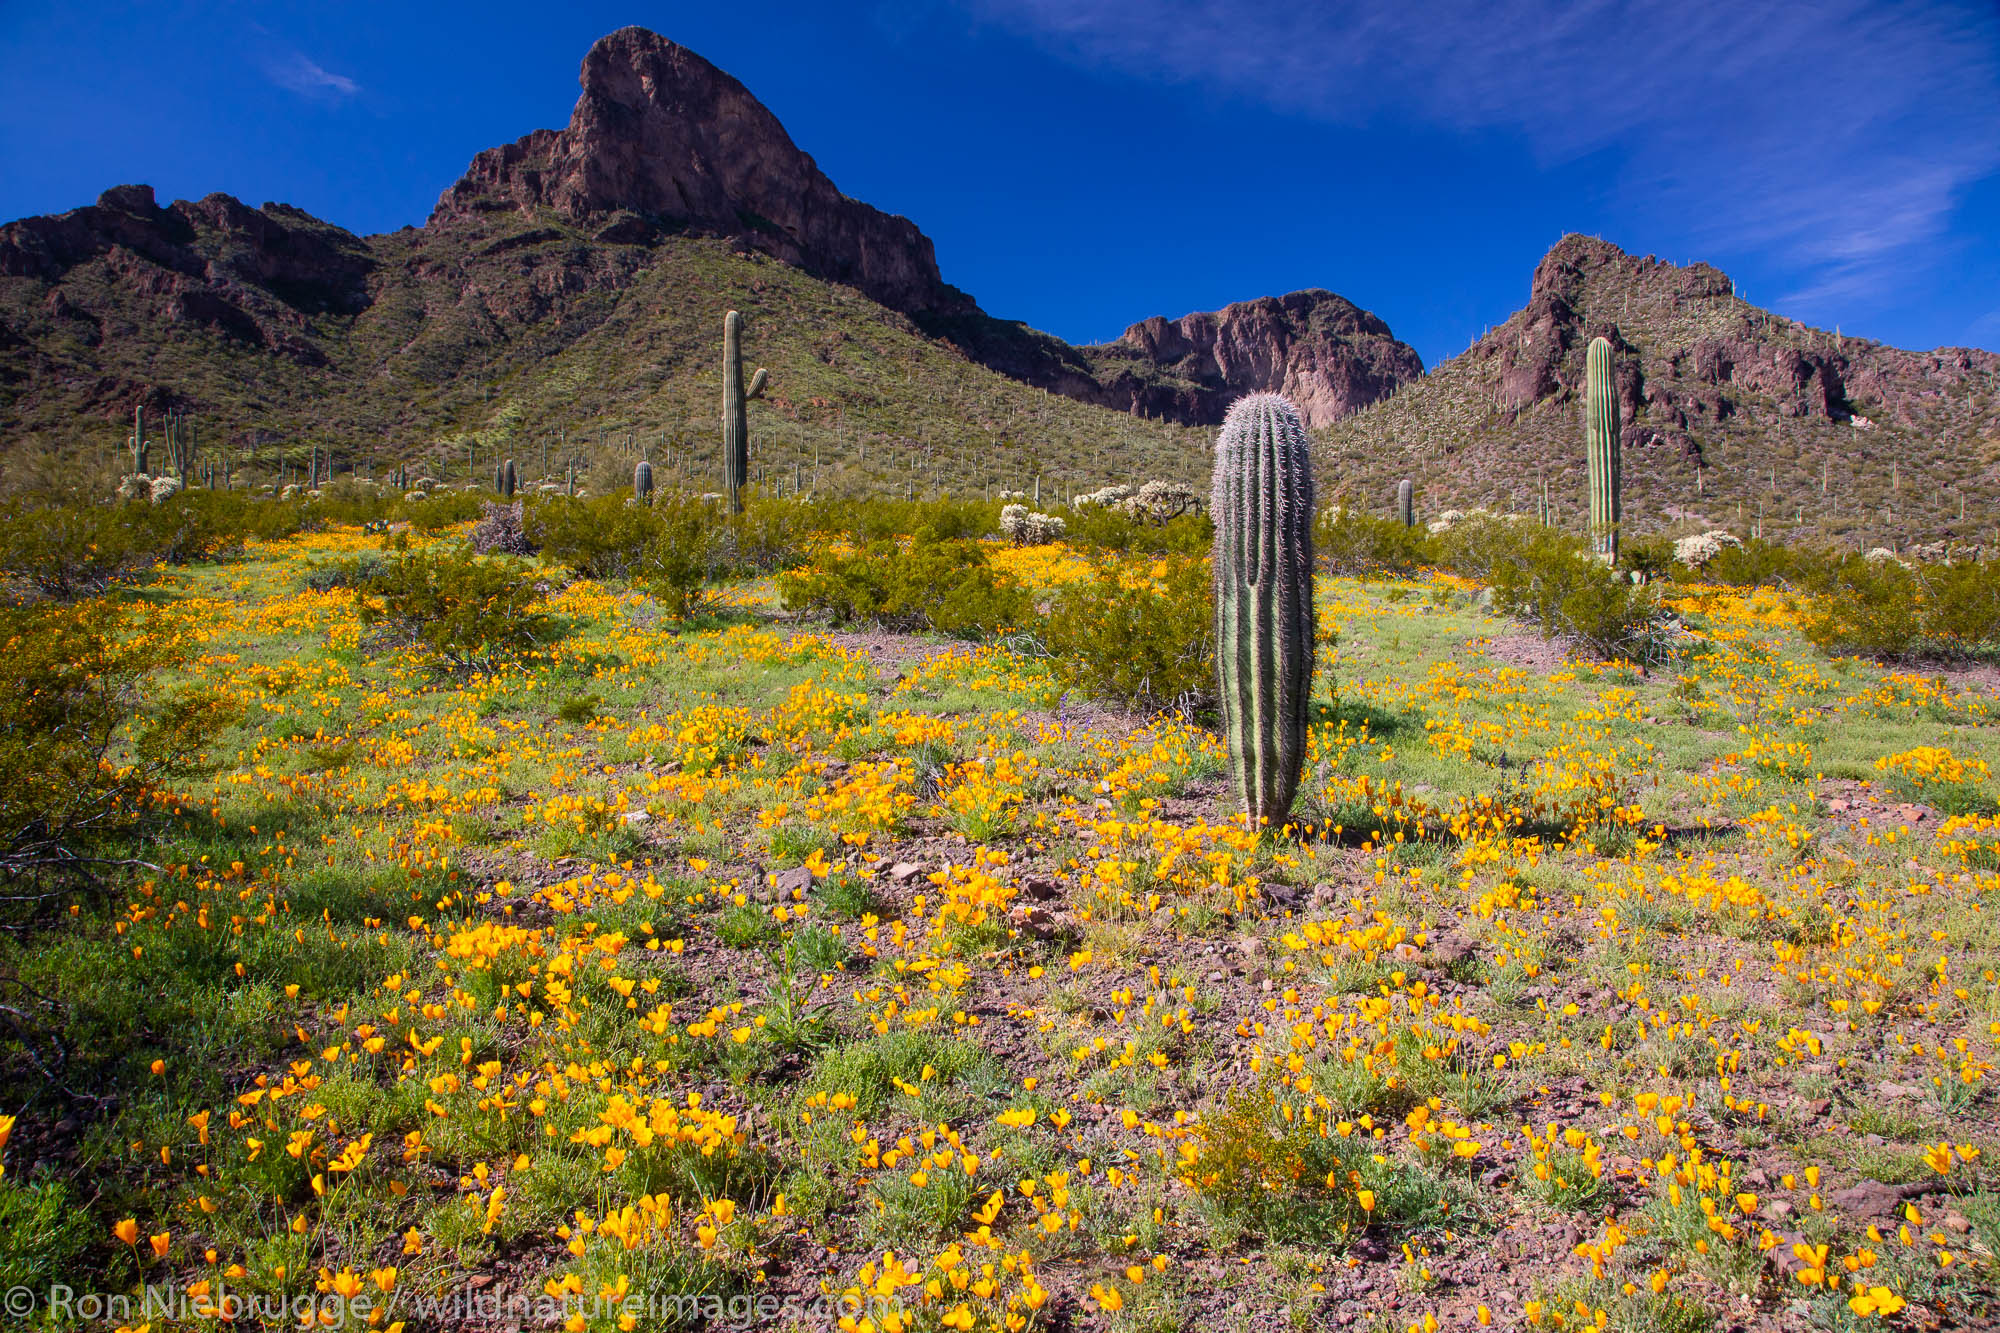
point(1329, 356)
point(662, 142)
point(255, 276)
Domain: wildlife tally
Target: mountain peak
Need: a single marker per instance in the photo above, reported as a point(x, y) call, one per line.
point(662, 142)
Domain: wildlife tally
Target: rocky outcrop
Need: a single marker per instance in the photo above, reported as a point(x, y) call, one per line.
point(1689, 352)
point(1327, 355)
point(662, 143)
point(253, 276)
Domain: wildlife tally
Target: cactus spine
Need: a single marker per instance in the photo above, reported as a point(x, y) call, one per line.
point(1264, 625)
point(1406, 506)
point(642, 482)
point(1600, 438)
point(735, 413)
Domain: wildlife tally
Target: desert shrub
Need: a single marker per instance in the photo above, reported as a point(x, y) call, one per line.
point(1548, 579)
point(444, 509)
point(84, 737)
point(74, 550)
point(1147, 646)
point(601, 537)
point(1110, 527)
point(1477, 544)
point(940, 585)
point(1761, 563)
point(1648, 557)
point(1895, 612)
point(499, 530)
point(685, 551)
point(1350, 542)
point(767, 536)
point(467, 611)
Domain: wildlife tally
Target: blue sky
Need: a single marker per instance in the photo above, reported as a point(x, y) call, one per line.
point(1083, 164)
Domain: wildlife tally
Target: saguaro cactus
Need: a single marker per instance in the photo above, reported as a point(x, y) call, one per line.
point(1264, 625)
point(642, 481)
point(139, 439)
point(1406, 502)
point(735, 414)
point(1600, 439)
point(508, 479)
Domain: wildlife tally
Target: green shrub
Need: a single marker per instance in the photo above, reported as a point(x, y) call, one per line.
point(1893, 612)
point(467, 611)
point(1351, 542)
point(1145, 647)
point(1550, 580)
point(601, 537)
point(1105, 528)
point(84, 737)
point(1761, 563)
point(70, 551)
point(940, 585)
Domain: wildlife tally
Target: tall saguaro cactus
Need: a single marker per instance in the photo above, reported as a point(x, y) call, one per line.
point(139, 439)
point(642, 482)
point(1264, 625)
point(735, 415)
point(1406, 506)
point(1600, 439)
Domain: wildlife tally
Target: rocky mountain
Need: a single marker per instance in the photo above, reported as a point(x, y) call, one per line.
point(1732, 413)
point(663, 143)
point(665, 199)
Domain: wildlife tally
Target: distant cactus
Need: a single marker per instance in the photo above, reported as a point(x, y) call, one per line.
point(180, 445)
point(1023, 527)
point(1406, 503)
point(509, 479)
point(1265, 629)
point(735, 415)
point(138, 441)
point(642, 482)
point(1600, 437)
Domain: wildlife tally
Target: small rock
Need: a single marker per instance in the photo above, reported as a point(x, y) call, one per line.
point(793, 880)
point(1955, 1222)
point(904, 871)
point(1042, 889)
point(1215, 978)
point(1871, 1198)
point(636, 817)
point(1819, 1105)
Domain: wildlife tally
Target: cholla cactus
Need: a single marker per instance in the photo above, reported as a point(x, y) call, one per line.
point(1162, 501)
point(1021, 526)
point(1265, 635)
point(1044, 528)
point(1108, 495)
point(135, 486)
point(1697, 550)
point(164, 488)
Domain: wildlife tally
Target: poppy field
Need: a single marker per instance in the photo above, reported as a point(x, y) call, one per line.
point(740, 969)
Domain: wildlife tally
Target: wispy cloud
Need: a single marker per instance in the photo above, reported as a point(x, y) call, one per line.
point(297, 73)
point(1834, 138)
